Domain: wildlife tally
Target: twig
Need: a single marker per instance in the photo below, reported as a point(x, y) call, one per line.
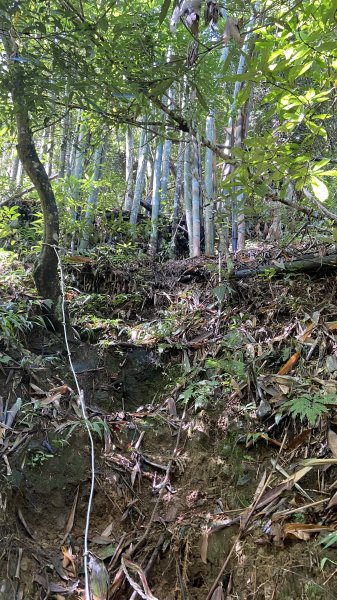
point(291, 240)
point(151, 561)
point(18, 565)
point(162, 486)
point(19, 194)
point(325, 211)
point(222, 570)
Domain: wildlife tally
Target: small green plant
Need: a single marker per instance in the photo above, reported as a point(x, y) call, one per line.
point(13, 323)
point(96, 425)
point(268, 273)
point(329, 540)
point(310, 406)
point(38, 458)
point(201, 392)
point(9, 216)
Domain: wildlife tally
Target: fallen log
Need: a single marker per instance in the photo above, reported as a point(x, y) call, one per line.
point(304, 265)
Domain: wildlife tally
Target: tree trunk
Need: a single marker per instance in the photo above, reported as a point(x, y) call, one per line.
point(188, 193)
point(179, 184)
point(19, 175)
point(156, 198)
point(64, 145)
point(177, 195)
point(78, 172)
point(74, 143)
point(209, 189)
point(46, 275)
point(140, 178)
point(196, 199)
point(51, 151)
point(92, 199)
point(241, 223)
point(235, 137)
point(14, 169)
point(166, 169)
point(129, 145)
point(167, 149)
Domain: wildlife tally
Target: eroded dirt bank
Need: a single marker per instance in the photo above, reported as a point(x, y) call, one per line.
point(200, 491)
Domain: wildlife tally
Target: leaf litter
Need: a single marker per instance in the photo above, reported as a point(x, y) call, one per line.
point(171, 518)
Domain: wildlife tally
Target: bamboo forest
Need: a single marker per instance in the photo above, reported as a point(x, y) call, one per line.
point(168, 299)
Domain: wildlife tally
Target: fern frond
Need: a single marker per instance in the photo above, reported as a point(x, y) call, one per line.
point(310, 407)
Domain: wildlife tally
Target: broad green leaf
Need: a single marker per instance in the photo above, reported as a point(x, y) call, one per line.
point(331, 173)
point(320, 164)
point(319, 188)
point(161, 87)
point(305, 68)
point(316, 129)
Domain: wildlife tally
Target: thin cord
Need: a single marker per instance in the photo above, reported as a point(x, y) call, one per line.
point(86, 421)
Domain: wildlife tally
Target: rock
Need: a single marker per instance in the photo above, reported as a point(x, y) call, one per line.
point(264, 409)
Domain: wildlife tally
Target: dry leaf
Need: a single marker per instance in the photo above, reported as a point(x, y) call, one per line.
point(68, 561)
point(61, 389)
point(231, 31)
point(302, 531)
point(295, 530)
point(298, 440)
point(318, 462)
point(295, 477)
point(333, 501)
point(271, 495)
point(135, 471)
point(204, 545)
point(171, 406)
point(218, 593)
point(107, 531)
point(50, 399)
point(127, 566)
point(245, 516)
point(71, 518)
point(23, 522)
point(101, 540)
point(289, 364)
point(54, 588)
point(37, 390)
point(332, 442)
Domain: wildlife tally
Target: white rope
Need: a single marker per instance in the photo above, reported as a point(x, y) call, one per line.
point(86, 421)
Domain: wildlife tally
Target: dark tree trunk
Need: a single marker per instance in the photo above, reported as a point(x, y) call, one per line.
point(46, 275)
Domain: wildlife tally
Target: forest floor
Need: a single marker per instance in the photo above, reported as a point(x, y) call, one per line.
point(207, 484)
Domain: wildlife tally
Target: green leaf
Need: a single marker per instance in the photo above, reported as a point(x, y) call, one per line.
point(321, 163)
point(220, 292)
point(319, 188)
point(331, 173)
point(316, 129)
point(201, 99)
point(106, 552)
point(310, 406)
point(329, 540)
point(103, 23)
point(305, 68)
point(161, 87)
